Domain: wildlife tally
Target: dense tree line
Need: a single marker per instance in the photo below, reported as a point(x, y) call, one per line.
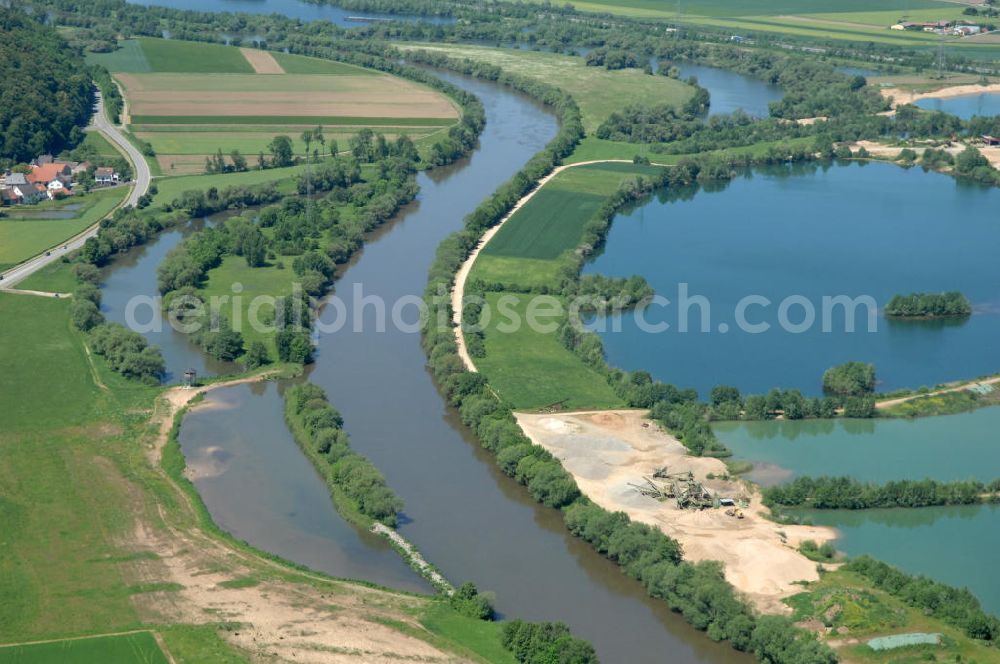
point(320, 429)
point(47, 93)
point(545, 643)
point(929, 305)
point(125, 351)
point(955, 606)
point(849, 493)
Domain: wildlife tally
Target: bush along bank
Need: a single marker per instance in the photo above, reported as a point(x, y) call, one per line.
point(125, 351)
point(698, 591)
point(358, 488)
point(851, 494)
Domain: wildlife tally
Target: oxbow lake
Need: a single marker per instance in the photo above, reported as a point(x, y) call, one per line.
point(805, 232)
point(729, 91)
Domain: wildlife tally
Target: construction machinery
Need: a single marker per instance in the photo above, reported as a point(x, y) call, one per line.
point(689, 492)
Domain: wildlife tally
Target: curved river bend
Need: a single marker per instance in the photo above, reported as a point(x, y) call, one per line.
point(467, 518)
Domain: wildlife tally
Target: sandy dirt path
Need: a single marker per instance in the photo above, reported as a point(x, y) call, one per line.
point(262, 61)
point(888, 403)
point(458, 287)
point(900, 96)
point(607, 450)
point(281, 616)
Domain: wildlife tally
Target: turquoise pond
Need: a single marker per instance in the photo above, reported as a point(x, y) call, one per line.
point(955, 545)
point(954, 447)
point(796, 235)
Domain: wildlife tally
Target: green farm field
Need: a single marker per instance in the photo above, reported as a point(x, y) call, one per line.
point(531, 369)
point(599, 92)
point(27, 232)
point(135, 648)
point(525, 252)
point(189, 112)
point(852, 20)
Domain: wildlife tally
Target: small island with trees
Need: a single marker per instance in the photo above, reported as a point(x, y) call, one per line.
point(929, 305)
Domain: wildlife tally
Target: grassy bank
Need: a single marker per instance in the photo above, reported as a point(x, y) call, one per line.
point(29, 230)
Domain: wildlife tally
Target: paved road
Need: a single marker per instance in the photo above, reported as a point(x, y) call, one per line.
point(142, 181)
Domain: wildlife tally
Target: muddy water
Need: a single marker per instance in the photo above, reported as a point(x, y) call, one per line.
point(288, 512)
point(464, 515)
point(130, 297)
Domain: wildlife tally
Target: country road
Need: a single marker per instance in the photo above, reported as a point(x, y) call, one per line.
point(143, 177)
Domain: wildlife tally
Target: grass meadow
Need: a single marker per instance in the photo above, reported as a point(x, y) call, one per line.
point(74, 477)
point(532, 369)
point(599, 92)
point(135, 648)
point(29, 231)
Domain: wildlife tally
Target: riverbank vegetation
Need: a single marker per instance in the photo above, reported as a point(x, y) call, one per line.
point(319, 430)
point(851, 379)
point(314, 236)
point(958, 607)
point(852, 494)
point(929, 305)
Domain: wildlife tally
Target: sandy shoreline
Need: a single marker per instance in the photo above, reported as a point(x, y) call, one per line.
point(900, 96)
point(607, 450)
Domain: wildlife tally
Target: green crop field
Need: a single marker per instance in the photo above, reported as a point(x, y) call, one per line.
point(129, 57)
point(27, 232)
point(170, 55)
point(96, 140)
point(267, 280)
point(547, 226)
point(525, 252)
point(531, 369)
point(599, 92)
point(136, 648)
point(300, 64)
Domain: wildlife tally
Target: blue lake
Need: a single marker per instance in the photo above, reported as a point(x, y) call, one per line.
point(966, 106)
point(790, 236)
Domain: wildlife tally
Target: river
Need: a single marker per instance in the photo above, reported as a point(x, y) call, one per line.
point(464, 515)
point(292, 8)
point(792, 236)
